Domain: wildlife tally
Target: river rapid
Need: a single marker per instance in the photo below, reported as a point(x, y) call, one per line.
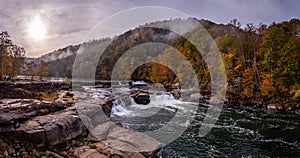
point(238, 132)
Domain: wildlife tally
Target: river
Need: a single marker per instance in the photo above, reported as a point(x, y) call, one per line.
point(239, 131)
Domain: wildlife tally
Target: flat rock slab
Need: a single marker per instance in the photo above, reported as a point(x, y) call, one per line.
point(52, 128)
point(102, 150)
point(17, 111)
point(113, 139)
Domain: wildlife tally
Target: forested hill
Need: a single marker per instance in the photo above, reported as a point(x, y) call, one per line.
point(60, 61)
point(262, 62)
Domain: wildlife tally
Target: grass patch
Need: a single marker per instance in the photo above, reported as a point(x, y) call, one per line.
point(65, 141)
point(93, 146)
point(49, 95)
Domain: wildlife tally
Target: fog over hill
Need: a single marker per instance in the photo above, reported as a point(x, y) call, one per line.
point(57, 54)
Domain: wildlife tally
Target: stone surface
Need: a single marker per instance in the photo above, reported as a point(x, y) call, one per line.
point(274, 107)
point(100, 132)
point(143, 143)
point(52, 128)
point(17, 111)
point(28, 123)
point(141, 97)
point(105, 151)
point(120, 141)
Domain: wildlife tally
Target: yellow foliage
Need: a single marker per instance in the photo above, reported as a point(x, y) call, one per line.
point(67, 80)
point(230, 55)
point(268, 76)
point(206, 71)
point(295, 92)
point(247, 93)
point(267, 85)
point(237, 67)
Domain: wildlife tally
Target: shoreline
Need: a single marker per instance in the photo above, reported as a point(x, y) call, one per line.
point(35, 127)
point(81, 143)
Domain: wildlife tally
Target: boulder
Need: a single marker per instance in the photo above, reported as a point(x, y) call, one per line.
point(52, 128)
point(86, 152)
point(176, 93)
point(17, 112)
point(274, 107)
point(143, 143)
point(100, 132)
point(105, 151)
point(120, 141)
point(141, 97)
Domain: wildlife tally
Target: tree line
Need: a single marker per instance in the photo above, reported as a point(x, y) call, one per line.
point(262, 62)
point(12, 61)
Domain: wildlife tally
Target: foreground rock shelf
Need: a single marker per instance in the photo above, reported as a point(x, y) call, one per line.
point(35, 128)
point(53, 128)
point(115, 141)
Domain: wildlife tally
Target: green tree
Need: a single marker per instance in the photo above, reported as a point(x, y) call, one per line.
point(280, 50)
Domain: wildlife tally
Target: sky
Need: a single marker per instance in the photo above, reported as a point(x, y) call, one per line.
point(67, 22)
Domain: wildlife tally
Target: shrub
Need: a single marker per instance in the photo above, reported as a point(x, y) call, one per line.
point(93, 146)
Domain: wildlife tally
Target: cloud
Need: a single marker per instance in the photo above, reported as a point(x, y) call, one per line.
point(68, 21)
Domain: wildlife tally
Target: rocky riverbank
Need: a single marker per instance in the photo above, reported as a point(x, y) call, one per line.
point(47, 121)
point(34, 127)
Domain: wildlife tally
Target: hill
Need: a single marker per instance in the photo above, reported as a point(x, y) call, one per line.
point(262, 63)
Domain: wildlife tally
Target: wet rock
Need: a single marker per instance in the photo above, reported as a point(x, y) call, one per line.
point(99, 86)
point(176, 93)
point(141, 97)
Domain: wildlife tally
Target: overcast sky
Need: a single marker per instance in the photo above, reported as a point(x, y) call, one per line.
point(68, 21)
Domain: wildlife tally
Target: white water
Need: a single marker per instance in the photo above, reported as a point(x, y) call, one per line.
point(95, 93)
point(126, 106)
point(237, 133)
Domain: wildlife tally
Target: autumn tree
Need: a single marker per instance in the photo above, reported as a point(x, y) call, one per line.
point(5, 43)
point(18, 57)
point(12, 57)
point(280, 50)
point(30, 69)
point(42, 70)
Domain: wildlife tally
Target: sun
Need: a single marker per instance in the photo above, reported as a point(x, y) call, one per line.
point(37, 29)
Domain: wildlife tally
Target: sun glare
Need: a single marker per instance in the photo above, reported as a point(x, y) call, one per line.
point(36, 29)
